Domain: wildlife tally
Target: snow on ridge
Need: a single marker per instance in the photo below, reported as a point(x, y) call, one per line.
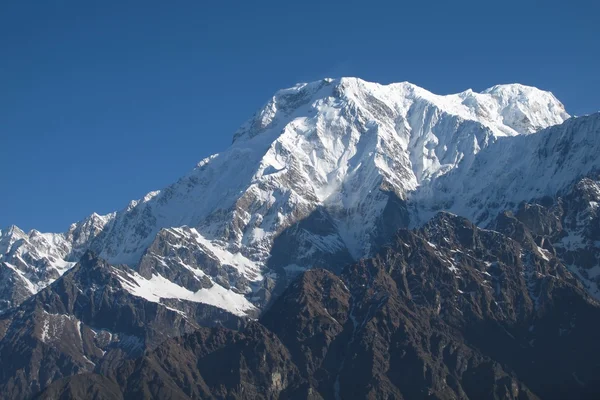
point(498, 107)
point(247, 267)
point(158, 287)
point(28, 285)
point(518, 169)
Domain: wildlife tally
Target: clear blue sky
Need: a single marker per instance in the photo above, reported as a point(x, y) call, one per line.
point(103, 101)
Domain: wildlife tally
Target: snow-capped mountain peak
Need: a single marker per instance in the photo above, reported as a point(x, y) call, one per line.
point(319, 167)
point(527, 109)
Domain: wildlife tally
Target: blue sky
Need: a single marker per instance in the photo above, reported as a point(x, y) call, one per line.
point(101, 102)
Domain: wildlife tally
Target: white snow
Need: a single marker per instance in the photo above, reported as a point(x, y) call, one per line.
point(543, 253)
point(516, 169)
point(28, 285)
point(235, 259)
point(53, 326)
point(158, 288)
point(44, 334)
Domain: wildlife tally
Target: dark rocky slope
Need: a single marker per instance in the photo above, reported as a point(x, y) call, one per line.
point(84, 322)
point(566, 226)
point(449, 311)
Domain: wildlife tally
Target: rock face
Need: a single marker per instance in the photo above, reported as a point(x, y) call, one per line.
point(566, 226)
point(447, 311)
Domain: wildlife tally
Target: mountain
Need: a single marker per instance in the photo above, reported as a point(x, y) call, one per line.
point(320, 176)
point(329, 253)
point(448, 311)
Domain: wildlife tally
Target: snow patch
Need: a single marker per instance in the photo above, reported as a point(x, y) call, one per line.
point(157, 288)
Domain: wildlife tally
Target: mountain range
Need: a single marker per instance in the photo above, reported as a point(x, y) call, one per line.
point(355, 240)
